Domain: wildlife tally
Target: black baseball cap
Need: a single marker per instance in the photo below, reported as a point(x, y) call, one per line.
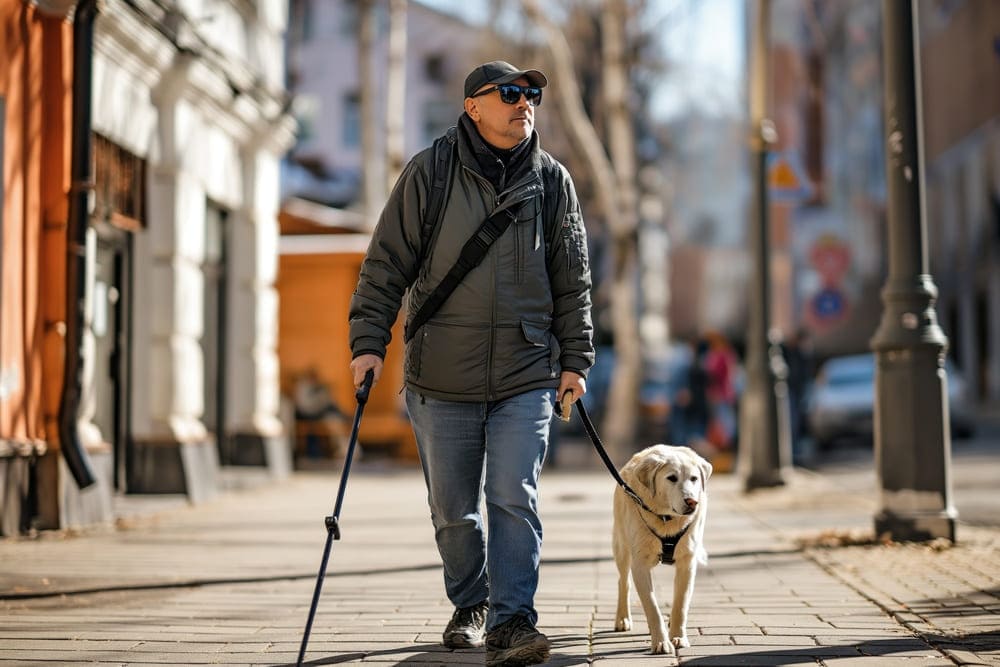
point(499, 71)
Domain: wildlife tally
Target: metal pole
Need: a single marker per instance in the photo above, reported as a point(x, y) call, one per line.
point(762, 455)
point(912, 437)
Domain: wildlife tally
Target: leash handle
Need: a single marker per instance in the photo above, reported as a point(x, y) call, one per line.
point(565, 406)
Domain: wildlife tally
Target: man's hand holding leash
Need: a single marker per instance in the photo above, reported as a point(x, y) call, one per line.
point(572, 386)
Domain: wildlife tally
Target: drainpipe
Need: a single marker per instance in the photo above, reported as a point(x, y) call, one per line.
point(82, 183)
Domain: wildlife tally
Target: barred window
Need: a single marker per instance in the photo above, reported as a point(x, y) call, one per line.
point(120, 184)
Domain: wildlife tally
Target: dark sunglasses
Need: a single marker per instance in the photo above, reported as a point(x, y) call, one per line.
point(510, 93)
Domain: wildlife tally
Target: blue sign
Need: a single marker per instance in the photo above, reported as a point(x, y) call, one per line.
point(829, 304)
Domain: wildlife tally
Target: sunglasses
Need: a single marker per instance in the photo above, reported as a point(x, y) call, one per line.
point(510, 93)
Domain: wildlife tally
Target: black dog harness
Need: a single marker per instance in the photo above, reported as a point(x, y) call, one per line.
point(669, 542)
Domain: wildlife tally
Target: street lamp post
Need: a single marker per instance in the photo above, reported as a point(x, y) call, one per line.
point(912, 437)
point(763, 445)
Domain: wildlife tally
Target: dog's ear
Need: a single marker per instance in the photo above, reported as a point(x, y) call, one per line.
point(645, 472)
point(706, 469)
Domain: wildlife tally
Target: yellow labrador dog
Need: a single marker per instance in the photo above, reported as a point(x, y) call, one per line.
point(667, 527)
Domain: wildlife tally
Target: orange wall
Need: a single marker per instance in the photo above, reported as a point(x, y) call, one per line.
point(34, 67)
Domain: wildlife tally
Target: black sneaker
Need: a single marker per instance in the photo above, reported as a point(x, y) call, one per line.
point(467, 626)
point(516, 642)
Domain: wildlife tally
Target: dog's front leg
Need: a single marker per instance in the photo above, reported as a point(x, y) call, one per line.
point(683, 590)
point(623, 615)
point(642, 577)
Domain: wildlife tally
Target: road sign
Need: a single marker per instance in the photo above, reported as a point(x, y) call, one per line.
point(787, 181)
point(828, 305)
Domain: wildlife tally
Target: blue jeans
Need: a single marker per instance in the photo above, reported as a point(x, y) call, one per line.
point(494, 448)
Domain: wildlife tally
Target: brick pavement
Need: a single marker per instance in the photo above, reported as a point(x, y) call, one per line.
point(230, 582)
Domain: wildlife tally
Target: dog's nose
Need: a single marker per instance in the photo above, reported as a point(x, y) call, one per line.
point(691, 503)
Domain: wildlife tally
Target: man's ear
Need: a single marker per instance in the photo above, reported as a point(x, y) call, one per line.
point(472, 108)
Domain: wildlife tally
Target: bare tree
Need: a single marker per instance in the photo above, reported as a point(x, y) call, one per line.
point(614, 192)
point(373, 194)
point(620, 423)
point(396, 92)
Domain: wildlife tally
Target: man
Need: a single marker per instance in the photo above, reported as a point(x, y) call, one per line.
point(483, 373)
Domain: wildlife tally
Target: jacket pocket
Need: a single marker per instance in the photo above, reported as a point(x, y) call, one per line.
point(540, 336)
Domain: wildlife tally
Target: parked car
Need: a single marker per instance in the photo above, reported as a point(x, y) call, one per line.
point(841, 402)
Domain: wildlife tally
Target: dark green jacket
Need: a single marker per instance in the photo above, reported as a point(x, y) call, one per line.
point(516, 320)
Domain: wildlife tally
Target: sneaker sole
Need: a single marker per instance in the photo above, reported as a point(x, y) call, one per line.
point(533, 653)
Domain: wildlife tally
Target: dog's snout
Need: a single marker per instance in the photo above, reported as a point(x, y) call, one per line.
point(692, 503)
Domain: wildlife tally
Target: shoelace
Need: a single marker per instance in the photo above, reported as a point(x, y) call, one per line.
point(475, 614)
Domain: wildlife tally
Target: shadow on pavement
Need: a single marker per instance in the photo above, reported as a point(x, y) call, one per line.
point(986, 641)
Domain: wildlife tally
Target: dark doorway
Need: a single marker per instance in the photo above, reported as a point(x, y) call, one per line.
point(214, 336)
point(111, 324)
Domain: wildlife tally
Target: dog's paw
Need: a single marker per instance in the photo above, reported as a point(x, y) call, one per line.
point(680, 642)
point(623, 624)
point(661, 648)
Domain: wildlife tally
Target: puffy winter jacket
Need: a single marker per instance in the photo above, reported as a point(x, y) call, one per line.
point(515, 321)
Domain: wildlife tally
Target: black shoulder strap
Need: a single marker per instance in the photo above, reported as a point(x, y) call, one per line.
point(469, 258)
point(440, 183)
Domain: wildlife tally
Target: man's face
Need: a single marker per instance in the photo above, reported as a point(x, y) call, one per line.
point(502, 125)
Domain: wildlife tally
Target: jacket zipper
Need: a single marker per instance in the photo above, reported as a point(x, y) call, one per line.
point(528, 192)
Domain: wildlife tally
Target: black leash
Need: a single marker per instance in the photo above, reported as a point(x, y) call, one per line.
point(669, 543)
point(333, 521)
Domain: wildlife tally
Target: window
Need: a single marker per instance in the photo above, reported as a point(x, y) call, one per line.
point(351, 19)
point(352, 120)
point(306, 110)
point(434, 68)
point(119, 178)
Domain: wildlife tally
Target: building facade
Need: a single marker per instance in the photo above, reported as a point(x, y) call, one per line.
point(169, 368)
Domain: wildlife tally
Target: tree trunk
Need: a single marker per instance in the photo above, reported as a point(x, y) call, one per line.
point(396, 92)
point(371, 180)
point(615, 192)
point(623, 398)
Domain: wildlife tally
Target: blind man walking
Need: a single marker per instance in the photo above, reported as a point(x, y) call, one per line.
point(484, 371)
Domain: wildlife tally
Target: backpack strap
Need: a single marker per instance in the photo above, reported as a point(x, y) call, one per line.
point(469, 258)
point(440, 186)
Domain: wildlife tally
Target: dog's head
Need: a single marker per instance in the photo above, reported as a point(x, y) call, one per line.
point(675, 477)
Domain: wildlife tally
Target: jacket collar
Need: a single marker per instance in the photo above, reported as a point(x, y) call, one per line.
point(475, 154)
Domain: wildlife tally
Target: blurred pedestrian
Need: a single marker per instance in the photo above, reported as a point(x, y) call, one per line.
point(689, 410)
point(721, 368)
point(315, 405)
point(801, 364)
point(484, 372)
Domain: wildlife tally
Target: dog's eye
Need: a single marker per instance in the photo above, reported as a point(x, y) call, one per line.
point(694, 478)
point(672, 478)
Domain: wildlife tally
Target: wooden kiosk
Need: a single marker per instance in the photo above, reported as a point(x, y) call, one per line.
point(320, 255)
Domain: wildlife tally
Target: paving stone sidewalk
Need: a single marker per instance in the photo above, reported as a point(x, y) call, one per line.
point(229, 582)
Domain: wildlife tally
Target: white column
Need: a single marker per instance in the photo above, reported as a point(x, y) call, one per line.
point(173, 450)
point(253, 362)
